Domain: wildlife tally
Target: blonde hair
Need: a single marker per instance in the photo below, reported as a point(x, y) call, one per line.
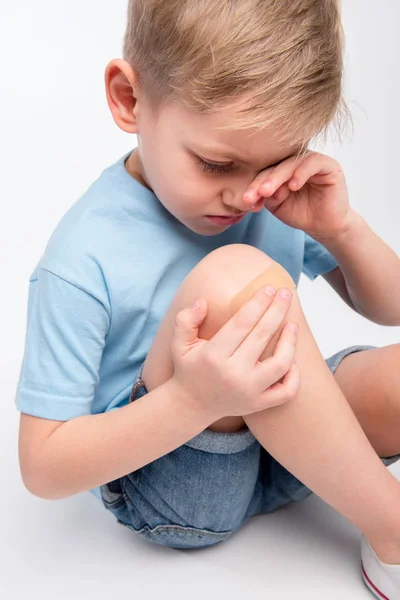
point(283, 58)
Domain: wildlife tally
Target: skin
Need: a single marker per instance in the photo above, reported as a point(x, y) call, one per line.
point(189, 138)
point(189, 194)
point(369, 380)
point(372, 395)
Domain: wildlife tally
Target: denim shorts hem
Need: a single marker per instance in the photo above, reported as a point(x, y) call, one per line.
point(177, 536)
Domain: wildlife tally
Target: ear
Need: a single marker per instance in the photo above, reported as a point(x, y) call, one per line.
point(121, 89)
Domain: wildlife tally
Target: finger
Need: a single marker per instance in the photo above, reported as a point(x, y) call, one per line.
point(226, 341)
point(281, 174)
point(252, 194)
point(323, 169)
point(186, 328)
point(279, 393)
point(271, 370)
point(282, 193)
point(258, 339)
point(272, 178)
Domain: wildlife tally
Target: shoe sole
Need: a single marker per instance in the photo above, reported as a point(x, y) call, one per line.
point(371, 586)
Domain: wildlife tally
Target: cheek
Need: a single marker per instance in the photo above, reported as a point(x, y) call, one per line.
point(179, 195)
point(184, 189)
point(191, 186)
point(198, 194)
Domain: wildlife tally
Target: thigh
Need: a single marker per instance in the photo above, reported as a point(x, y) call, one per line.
point(192, 497)
point(371, 382)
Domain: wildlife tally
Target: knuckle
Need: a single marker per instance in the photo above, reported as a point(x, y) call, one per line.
point(210, 357)
point(263, 330)
point(280, 366)
point(290, 394)
point(283, 400)
point(293, 388)
point(290, 390)
point(275, 399)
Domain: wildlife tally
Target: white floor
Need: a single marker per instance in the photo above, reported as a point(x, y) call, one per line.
point(74, 549)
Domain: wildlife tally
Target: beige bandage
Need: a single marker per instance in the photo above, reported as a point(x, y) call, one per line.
point(275, 275)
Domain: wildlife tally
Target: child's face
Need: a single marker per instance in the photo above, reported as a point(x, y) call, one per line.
point(168, 161)
point(173, 144)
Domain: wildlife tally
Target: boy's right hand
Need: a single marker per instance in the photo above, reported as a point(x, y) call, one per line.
point(223, 375)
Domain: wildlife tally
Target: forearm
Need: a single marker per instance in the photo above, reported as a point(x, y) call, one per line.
point(92, 450)
point(371, 270)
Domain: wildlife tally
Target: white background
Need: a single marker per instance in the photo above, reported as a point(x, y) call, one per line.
point(56, 135)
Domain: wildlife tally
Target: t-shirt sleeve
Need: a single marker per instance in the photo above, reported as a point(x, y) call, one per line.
point(317, 259)
point(65, 337)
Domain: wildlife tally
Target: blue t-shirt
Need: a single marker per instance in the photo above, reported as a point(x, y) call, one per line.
point(107, 277)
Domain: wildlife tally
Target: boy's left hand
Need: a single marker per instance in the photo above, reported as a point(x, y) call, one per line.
point(308, 193)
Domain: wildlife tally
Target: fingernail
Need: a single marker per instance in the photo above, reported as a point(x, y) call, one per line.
point(196, 305)
point(285, 293)
point(269, 290)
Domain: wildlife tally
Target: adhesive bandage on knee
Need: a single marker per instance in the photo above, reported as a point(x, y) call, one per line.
point(275, 275)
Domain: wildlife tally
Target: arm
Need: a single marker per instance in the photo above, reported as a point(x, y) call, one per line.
point(371, 270)
point(337, 282)
point(60, 459)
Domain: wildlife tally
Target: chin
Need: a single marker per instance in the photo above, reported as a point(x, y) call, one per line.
point(207, 232)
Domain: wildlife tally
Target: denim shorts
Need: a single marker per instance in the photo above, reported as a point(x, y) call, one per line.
point(204, 491)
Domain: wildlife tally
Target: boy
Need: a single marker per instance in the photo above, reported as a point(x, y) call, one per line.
point(175, 417)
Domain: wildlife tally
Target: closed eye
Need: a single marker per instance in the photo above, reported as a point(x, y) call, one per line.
point(215, 168)
point(212, 167)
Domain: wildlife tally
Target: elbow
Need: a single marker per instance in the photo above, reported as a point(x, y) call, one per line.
point(42, 492)
point(385, 320)
point(39, 484)
point(39, 474)
point(36, 488)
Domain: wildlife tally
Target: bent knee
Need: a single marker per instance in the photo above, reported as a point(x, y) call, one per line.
point(221, 278)
point(229, 276)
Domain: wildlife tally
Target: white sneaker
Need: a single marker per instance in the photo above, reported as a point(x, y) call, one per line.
point(382, 579)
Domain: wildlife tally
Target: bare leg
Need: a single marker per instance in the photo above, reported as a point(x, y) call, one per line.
point(316, 436)
point(370, 381)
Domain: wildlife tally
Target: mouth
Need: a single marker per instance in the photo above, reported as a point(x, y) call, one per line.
point(222, 220)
